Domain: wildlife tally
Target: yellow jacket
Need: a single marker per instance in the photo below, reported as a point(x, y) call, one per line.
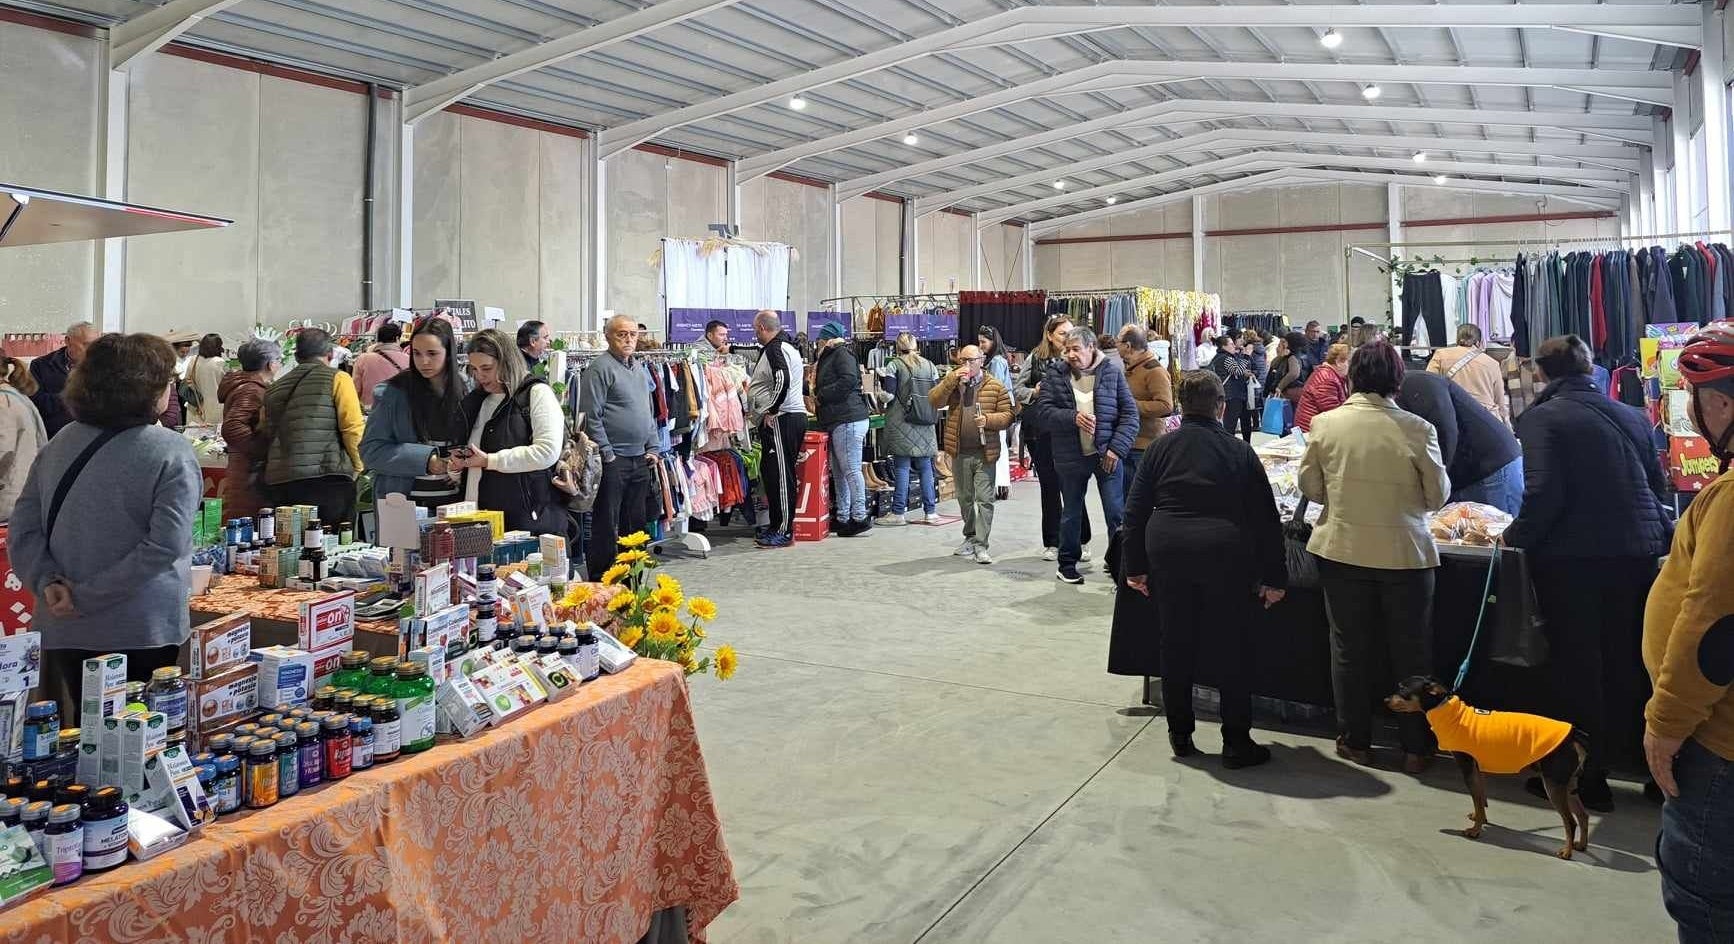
point(1375, 468)
point(1689, 626)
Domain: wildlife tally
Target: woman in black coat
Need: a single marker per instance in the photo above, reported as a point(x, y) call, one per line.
point(843, 414)
point(1202, 536)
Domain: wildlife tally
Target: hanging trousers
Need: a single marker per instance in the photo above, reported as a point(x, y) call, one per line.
point(1424, 297)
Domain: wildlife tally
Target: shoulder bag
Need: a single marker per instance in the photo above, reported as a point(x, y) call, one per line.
point(1303, 565)
point(72, 473)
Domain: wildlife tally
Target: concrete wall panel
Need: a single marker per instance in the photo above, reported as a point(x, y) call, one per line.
point(788, 212)
point(1002, 254)
point(438, 209)
point(561, 203)
point(194, 145)
point(817, 265)
point(312, 148)
point(859, 222)
point(944, 249)
point(637, 206)
point(697, 196)
point(500, 262)
point(888, 247)
point(48, 101)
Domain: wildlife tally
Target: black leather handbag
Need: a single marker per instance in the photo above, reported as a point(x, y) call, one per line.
point(1303, 565)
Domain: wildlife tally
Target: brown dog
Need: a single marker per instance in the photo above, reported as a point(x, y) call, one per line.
point(1503, 742)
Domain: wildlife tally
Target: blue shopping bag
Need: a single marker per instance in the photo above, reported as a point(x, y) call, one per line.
point(1275, 416)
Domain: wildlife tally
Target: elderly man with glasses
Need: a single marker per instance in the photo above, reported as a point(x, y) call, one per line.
point(980, 408)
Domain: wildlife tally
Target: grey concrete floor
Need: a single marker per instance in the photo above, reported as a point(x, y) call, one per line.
point(921, 749)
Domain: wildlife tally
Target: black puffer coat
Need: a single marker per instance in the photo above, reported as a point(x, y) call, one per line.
point(837, 387)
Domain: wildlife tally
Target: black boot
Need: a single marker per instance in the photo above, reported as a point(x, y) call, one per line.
point(1182, 744)
point(1240, 751)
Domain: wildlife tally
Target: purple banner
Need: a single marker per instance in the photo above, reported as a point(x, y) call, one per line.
point(686, 325)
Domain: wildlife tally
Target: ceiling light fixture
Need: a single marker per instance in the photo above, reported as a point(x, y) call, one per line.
point(1059, 185)
point(912, 139)
point(1113, 200)
point(1371, 92)
point(1332, 39)
point(798, 103)
point(1440, 178)
point(1420, 157)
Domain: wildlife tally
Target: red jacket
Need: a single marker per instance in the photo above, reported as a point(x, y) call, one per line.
point(1325, 390)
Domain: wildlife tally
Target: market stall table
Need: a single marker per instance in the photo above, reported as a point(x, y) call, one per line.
point(275, 614)
point(582, 821)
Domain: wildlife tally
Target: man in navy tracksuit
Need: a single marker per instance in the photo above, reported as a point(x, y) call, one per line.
point(1088, 395)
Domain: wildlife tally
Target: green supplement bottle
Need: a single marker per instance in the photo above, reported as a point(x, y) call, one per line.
point(414, 693)
point(381, 676)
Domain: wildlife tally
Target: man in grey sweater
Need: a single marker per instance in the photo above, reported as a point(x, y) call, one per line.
point(614, 396)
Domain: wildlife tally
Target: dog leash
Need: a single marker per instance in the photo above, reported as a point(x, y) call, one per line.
point(1480, 615)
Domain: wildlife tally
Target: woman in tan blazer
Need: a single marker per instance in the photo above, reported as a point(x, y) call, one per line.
point(1376, 470)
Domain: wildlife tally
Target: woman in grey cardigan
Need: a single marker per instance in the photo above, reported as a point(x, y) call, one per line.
point(909, 444)
point(109, 566)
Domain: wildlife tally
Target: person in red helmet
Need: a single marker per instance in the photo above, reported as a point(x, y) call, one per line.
point(1689, 652)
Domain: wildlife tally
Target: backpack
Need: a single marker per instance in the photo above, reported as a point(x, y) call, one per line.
point(917, 408)
point(580, 455)
point(192, 399)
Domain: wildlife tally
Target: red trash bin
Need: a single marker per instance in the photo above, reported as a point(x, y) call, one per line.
point(813, 485)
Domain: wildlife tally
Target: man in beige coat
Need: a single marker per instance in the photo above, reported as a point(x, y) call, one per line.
point(1376, 468)
point(1468, 365)
point(1151, 387)
point(980, 408)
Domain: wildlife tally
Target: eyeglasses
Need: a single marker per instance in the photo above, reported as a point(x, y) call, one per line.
point(975, 360)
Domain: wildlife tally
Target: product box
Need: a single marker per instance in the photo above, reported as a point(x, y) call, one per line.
point(108, 757)
point(327, 622)
point(23, 870)
point(434, 658)
point(172, 785)
point(462, 707)
point(285, 676)
point(509, 689)
point(142, 735)
point(89, 770)
point(443, 628)
point(219, 644)
point(20, 662)
point(149, 835)
point(104, 692)
point(433, 590)
point(12, 706)
point(554, 675)
point(326, 662)
point(223, 699)
point(1691, 465)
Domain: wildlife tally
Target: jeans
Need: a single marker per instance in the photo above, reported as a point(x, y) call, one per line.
point(1075, 479)
point(620, 502)
point(1048, 479)
point(972, 475)
point(1200, 617)
point(1378, 617)
point(1503, 489)
point(924, 471)
point(847, 481)
point(1695, 852)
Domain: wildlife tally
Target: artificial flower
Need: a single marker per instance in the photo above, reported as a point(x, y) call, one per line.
point(615, 574)
point(687, 662)
point(577, 595)
point(638, 539)
point(726, 662)
point(631, 557)
point(663, 627)
point(631, 636)
point(621, 603)
point(666, 599)
point(702, 608)
point(665, 582)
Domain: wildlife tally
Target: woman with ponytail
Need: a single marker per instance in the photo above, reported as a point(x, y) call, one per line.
point(21, 432)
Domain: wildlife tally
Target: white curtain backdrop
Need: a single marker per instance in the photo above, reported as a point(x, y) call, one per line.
point(740, 276)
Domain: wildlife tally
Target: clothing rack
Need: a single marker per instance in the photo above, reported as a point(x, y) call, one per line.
point(893, 299)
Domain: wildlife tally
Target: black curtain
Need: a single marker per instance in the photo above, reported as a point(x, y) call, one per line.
point(1018, 316)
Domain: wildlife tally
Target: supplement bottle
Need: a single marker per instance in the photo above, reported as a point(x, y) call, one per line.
point(589, 655)
point(382, 673)
point(265, 525)
point(65, 838)
point(227, 789)
point(338, 745)
point(167, 693)
point(322, 697)
point(360, 742)
point(104, 830)
point(12, 811)
point(312, 754)
point(414, 693)
point(261, 774)
point(387, 730)
point(41, 730)
point(351, 671)
point(34, 819)
point(288, 765)
point(547, 645)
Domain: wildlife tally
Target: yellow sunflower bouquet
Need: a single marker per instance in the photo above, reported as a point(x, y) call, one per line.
point(652, 615)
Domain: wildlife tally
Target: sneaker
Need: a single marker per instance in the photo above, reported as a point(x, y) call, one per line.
point(773, 540)
point(1244, 754)
point(1069, 575)
point(982, 556)
point(966, 549)
point(848, 529)
point(1084, 556)
point(892, 521)
point(1181, 744)
point(1050, 553)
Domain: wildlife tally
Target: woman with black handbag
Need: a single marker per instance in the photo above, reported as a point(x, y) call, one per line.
point(1202, 536)
point(516, 431)
point(103, 531)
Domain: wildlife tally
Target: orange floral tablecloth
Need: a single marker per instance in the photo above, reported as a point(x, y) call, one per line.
point(574, 823)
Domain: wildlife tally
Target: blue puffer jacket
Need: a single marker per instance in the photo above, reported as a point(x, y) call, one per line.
point(389, 447)
point(1055, 411)
point(1593, 482)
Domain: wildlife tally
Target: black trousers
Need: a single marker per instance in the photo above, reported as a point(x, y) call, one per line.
point(1381, 633)
point(1424, 297)
point(1048, 480)
point(334, 494)
point(1594, 610)
point(1239, 414)
point(619, 508)
point(778, 467)
point(1205, 618)
point(63, 672)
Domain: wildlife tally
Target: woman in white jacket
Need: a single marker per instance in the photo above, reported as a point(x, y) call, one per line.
point(21, 431)
point(205, 373)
